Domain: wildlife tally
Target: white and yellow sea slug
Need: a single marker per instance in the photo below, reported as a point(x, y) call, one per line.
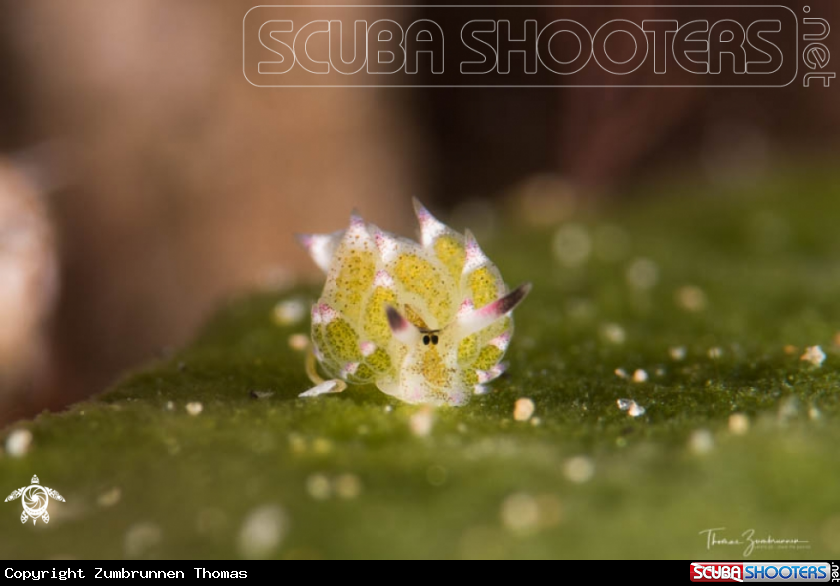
point(427, 323)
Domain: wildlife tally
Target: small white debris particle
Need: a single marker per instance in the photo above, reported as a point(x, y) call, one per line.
point(318, 487)
point(536, 421)
point(571, 245)
point(677, 353)
point(298, 342)
point(633, 409)
point(715, 352)
point(636, 410)
point(579, 469)
point(140, 538)
point(18, 443)
point(701, 441)
point(520, 513)
point(109, 498)
point(170, 406)
point(289, 312)
point(262, 531)
point(642, 274)
point(739, 424)
point(194, 408)
point(421, 423)
point(691, 298)
point(620, 373)
point(814, 355)
point(523, 409)
point(640, 376)
point(347, 486)
point(388, 408)
point(613, 333)
point(814, 413)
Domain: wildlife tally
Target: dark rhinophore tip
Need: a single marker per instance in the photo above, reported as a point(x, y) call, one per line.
point(512, 299)
point(396, 322)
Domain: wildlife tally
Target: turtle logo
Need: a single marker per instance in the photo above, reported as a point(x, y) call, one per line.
point(35, 500)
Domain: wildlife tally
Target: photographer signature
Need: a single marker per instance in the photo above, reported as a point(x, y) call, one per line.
point(749, 541)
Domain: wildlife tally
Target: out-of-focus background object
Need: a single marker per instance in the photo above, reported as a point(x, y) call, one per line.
point(181, 184)
point(28, 280)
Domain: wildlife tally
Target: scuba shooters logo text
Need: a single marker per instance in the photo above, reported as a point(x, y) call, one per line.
point(532, 46)
point(762, 572)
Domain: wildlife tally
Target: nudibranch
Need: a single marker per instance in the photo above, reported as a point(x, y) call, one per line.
point(427, 322)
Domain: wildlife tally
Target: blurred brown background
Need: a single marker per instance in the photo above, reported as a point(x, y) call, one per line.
point(143, 179)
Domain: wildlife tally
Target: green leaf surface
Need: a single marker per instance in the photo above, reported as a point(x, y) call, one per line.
point(742, 278)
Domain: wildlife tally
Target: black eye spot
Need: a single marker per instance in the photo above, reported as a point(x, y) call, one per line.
point(434, 340)
point(426, 340)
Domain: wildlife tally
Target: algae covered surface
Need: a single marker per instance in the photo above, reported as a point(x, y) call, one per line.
point(705, 298)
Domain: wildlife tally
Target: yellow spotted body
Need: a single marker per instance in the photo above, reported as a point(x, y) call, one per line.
point(426, 322)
